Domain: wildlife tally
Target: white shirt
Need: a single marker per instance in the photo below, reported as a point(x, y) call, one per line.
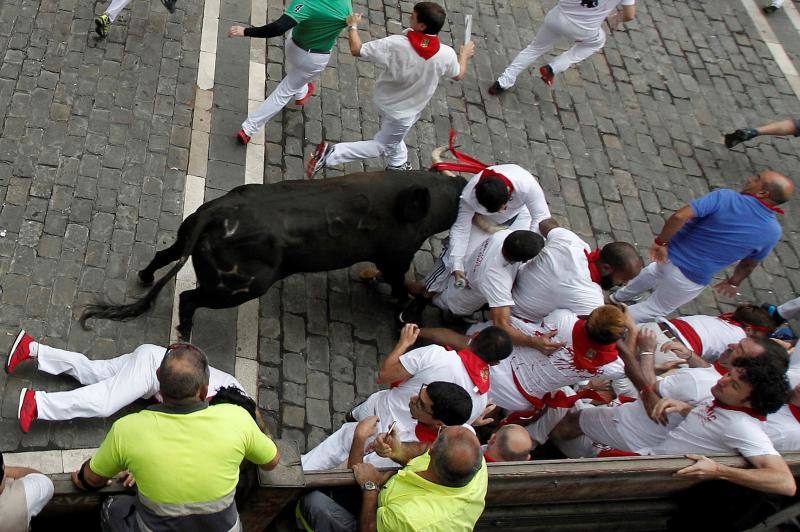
point(427, 364)
point(782, 427)
point(490, 273)
point(709, 430)
point(408, 82)
point(714, 333)
point(38, 492)
point(557, 278)
point(527, 194)
point(539, 374)
point(590, 18)
point(690, 385)
point(216, 378)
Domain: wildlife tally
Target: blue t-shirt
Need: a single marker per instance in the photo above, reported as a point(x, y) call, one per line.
point(728, 227)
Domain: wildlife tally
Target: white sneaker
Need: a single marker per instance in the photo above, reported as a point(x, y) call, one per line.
point(403, 167)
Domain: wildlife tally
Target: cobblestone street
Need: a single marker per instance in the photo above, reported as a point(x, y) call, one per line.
point(95, 149)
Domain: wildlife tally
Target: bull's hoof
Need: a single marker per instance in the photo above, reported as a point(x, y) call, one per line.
point(145, 278)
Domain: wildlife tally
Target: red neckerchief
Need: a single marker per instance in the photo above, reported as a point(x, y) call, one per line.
point(489, 458)
point(728, 316)
point(773, 208)
point(583, 347)
point(477, 369)
point(722, 370)
point(492, 173)
point(688, 332)
point(795, 411)
point(425, 45)
point(615, 453)
point(425, 434)
point(594, 271)
point(625, 399)
point(749, 411)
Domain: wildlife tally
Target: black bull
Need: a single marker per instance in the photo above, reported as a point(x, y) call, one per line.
point(255, 235)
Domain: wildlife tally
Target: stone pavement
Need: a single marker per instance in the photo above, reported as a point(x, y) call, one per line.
point(625, 139)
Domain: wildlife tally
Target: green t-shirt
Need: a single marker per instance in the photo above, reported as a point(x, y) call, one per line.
point(409, 503)
point(184, 458)
point(319, 22)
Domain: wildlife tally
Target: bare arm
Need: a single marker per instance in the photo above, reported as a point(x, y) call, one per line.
point(392, 369)
point(442, 336)
point(364, 430)
point(18, 472)
point(466, 51)
point(272, 464)
point(92, 480)
point(675, 223)
point(368, 519)
point(742, 270)
point(352, 34)
point(547, 225)
point(770, 473)
point(501, 318)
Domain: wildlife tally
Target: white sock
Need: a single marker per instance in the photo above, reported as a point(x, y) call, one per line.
point(34, 347)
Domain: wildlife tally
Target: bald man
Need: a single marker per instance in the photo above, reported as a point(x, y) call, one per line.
point(511, 443)
point(441, 490)
point(706, 236)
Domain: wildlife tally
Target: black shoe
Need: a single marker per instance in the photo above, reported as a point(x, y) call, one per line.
point(495, 89)
point(738, 136)
point(413, 311)
point(169, 4)
point(768, 10)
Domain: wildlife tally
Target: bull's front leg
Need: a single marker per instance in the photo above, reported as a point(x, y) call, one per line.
point(394, 273)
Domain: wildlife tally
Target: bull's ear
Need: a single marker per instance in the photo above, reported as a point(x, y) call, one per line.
point(412, 204)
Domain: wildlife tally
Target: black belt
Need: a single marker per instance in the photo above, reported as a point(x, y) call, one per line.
point(310, 50)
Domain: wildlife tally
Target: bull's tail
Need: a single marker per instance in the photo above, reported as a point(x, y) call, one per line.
point(125, 312)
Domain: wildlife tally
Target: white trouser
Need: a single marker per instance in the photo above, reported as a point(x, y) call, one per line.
point(334, 451)
point(539, 430)
point(776, 3)
point(790, 309)
point(555, 26)
point(301, 67)
point(367, 408)
point(109, 384)
point(115, 8)
point(460, 301)
point(388, 142)
point(671, 289)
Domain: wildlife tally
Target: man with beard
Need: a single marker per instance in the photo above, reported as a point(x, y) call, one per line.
point(567, 274)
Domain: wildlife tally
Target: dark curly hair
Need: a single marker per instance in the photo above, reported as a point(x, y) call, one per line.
point(452, 405)
point(766, 373)
point(234, 396)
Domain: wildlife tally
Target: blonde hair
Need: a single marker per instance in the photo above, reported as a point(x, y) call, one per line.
point(606, 324)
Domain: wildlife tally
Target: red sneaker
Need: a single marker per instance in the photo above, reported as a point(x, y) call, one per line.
point(27, 413)
point(242, 137)
point(547, 75)
point(20, 351)
point(311, 90)
point(317, 161)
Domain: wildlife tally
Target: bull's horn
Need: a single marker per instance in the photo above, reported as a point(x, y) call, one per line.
point(436, 157)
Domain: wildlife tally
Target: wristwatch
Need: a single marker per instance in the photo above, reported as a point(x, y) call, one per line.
point(369, 486)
